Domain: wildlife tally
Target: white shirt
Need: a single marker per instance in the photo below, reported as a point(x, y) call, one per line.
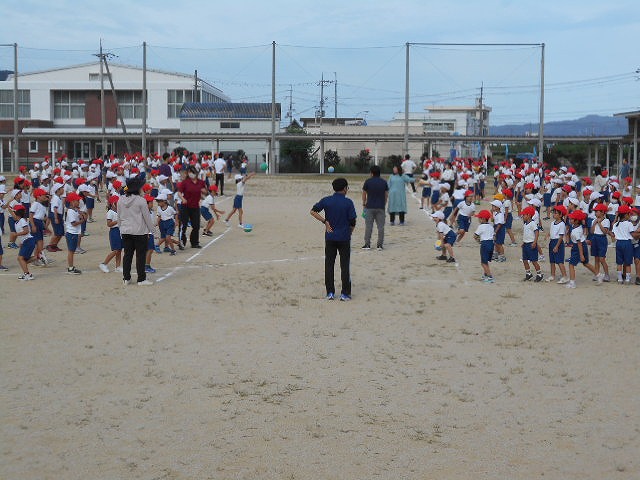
point(556, 230)
point(498, 218)
point(240, 188)
point(113, 216)
point(72, 217)
point(623, 230)
point(20, 224)
point(166, 214)
point(408, 166)
point(208, 201)
point(529, 231)
point(219, 165)
point(39, 211)
point(577, 234)
point(443, 228)
point(596, 227)
point(485, 231)
point(466, 209)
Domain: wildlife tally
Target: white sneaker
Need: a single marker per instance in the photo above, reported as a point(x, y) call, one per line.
point(563, 280)
point(25, 277)
point(126, 282)
point(599, 279)
point(104, 268)
point(145, 283)
point(240, 225)
point(118, 269)
point(571, 284)
point(549, 279)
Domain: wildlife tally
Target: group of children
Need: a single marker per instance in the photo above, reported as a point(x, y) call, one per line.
point(60, 203)
point(582, 221)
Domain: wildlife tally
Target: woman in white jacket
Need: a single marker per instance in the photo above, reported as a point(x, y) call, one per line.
point(135, 224)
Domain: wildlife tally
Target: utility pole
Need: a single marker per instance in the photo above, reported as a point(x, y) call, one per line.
point(481, 119)
point(335, 97)
point(322, 83)
point(290, 112)
point(115, 99)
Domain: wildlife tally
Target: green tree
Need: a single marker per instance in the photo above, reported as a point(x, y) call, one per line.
point(363, 160)
point(295, 155)
point(331, 158)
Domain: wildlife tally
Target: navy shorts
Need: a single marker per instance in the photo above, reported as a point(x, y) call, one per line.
point(447, 211)
point(89, 202)
point(574, 259)
point(12, 225)
point(599, 246)
point(556, 257)
point(58, 228)
point(237, 201)
point(529, 252)
point(450, 238)
point(115, 240)
point(464, 223)
point(636, 251)
point(508, 222)
point(546, 199)
point(38, 234)
point(27, 247)
point(500, 235)
point(151, 244)
point(624, 252)
point(167, 228)
point(426, 192)
point(206, 214)
point(435, 196)
point(72, 241)
point(486, 251)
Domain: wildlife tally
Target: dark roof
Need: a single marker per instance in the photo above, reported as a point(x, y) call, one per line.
point(228, 110)
point(4, 74)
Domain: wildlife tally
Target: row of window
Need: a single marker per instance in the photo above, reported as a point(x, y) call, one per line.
point(69, 104)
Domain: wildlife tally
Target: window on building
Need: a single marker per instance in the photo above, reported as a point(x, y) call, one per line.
point(33, 146)
point(175, 100)
point(229, 124)
point(438, 126)
point(6, 104)
point(68, 104)
point(130, 102)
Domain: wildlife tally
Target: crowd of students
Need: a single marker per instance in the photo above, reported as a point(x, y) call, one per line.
point(579, 217)
point(57, 199)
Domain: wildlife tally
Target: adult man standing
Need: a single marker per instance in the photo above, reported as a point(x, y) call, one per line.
point(339, 221)
point(219, 166)
point(408, 166)
point(375, 193)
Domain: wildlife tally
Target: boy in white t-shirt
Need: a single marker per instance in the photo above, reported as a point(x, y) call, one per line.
point(530, 233)
point(446, 235)
point(208, 210)
point(73, 229)
point(484, 236)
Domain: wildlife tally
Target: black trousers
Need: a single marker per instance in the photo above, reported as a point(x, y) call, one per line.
point(137, 244)
point(190, 215)
point(220, 182)
point(331, 249)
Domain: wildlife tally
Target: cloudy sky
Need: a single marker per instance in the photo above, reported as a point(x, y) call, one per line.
point(590, 59)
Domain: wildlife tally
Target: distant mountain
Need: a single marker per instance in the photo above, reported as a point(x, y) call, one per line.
point(591, 125)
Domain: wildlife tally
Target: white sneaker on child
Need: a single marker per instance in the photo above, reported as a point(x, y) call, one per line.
point(104, 268)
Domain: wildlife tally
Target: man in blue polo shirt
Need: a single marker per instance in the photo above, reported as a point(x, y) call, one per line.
point(339, 221)
point(375, 193)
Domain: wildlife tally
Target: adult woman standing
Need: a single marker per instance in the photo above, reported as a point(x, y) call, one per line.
point(135, 224)
point(192, 190)
point(397, 195)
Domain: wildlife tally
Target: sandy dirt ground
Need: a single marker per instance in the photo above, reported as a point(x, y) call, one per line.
point(233, 366)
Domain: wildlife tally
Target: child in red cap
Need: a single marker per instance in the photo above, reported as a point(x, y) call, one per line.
point(530, 244)
point(484, 236)
point(579, 251)
point(599, 230)
point(115, 240)
point(25, 255)
point(624, 232)
point(73, 229)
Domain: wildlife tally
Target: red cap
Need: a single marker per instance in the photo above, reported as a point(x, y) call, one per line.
point(562, 209)
point(567, 188)
point(116, 184)
point(577, 215)
point(213, 188)
point(80, 181)
point(586, 192)
point(528, 211)
point(616, 194)
point(73, 196)
point(600, 207)
point(628, 179)
point(114, 199)
point(628, 200)
point(19, 207)
point(529, 186)
point(149, 198)
point(485, 214)
point(147, 187)
point(624, 209)
point(507, 193)
point(469, 193)
point(39, 192)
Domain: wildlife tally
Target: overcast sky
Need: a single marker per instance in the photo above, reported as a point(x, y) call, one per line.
point(591, 53)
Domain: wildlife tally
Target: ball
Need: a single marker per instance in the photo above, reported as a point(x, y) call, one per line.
point(264, 166)
point(248, 227)
point(438, 245)
point(331, 169)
